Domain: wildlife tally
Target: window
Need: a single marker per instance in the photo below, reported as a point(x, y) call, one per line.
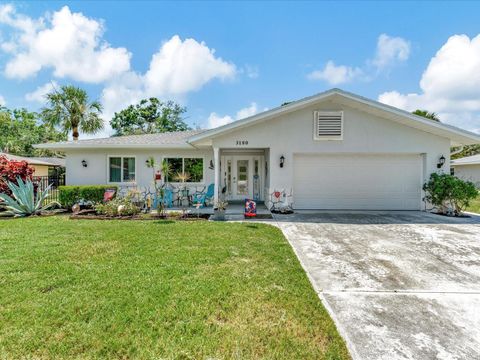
point(452, 171)
point(121, 169)
point(192, 166)
point(176, 167)
point(328, 125)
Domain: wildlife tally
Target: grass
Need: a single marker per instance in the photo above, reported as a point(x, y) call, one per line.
point(474, 205)
point(156, 290)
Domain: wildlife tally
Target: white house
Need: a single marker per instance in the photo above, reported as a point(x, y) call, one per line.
point(467, 168)
point(334, 150)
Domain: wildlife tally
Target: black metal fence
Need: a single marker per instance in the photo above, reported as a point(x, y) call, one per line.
point(43, 182)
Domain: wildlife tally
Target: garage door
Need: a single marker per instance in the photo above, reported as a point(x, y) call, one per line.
point(362, 182)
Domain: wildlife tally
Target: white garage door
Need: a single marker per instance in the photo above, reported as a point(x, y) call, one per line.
point(363, 182)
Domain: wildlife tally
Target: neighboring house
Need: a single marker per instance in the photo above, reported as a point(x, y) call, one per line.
point(40, 165)
point(467, 168)
point(334, 150)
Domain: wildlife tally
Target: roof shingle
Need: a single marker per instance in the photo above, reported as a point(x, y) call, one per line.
point(176, 138)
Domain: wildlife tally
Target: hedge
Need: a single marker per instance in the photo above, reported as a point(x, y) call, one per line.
point(69, 195)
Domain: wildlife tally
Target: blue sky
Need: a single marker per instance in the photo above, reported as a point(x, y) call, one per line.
point(264, 54)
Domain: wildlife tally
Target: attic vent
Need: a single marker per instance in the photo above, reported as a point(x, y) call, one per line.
point(328, 125)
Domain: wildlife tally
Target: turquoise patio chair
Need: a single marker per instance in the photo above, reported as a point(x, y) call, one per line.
point(203, 198)
point(167, 199)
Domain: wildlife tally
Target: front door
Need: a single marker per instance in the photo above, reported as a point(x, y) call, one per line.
point(242, 177)
point(242, 185)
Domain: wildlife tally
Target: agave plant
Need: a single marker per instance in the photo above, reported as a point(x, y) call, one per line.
point(24, 202)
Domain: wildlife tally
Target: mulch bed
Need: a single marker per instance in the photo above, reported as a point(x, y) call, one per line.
point(90, 216)
point(452, 216)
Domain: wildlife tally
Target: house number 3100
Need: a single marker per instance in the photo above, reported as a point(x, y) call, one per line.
point(242, 142)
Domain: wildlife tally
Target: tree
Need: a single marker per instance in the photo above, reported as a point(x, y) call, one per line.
point(426, 114)
point(21, 129)
point(10, 171)
point(71, 110)
point(149, 116)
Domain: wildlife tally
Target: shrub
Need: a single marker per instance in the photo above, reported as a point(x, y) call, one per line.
point(72, 194)
point(25, 201)
point(117, 207)
point(448, 193)
point(10, 171)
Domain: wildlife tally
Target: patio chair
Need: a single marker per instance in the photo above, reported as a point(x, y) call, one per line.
point(167, 199)
point(210, 193)
point(204, 198)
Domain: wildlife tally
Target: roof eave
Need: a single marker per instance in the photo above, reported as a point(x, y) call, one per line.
point(110, 146)
point(461, 164)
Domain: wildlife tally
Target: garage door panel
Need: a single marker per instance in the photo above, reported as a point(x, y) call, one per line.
point(383, 182)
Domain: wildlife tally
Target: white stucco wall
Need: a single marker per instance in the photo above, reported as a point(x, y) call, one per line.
point(363, 133)
point(96, 171)
point(468, 172)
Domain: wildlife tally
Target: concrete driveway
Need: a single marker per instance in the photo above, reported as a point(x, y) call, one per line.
point(399, 285)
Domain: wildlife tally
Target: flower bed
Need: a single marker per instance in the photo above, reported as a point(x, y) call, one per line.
point(93, 216)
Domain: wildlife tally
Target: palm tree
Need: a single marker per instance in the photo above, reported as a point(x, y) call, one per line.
point(71, 110)
point(426, 114)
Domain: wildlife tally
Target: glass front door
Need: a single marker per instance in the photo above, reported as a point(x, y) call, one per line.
point(242, 177)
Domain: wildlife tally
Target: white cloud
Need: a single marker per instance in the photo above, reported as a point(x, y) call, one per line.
point(38, 95)
point(390, 50)
point(335, 74)
point(215, 120)
point(179, 67)
point(183, 66)
point(72, 46)
point(2, 101)
point(449, 85)
point(69, 43)
point(247, 112)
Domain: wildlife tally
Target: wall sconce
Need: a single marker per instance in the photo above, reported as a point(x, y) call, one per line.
point(441, 162)
point(282, 161)
point(211, 166)
point(84, 163)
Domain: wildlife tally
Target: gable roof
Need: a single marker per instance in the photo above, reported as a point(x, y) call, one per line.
point(468, 160)
point(176, 139)
point(46, 161)
point(456, 135)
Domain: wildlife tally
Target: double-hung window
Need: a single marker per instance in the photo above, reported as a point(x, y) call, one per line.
point(121, 168)
point(191, 166)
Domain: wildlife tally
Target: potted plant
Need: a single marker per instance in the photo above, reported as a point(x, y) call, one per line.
point(219, 210)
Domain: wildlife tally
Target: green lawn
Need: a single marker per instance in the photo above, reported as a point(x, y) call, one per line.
point(151, 290)
point(475, 205)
